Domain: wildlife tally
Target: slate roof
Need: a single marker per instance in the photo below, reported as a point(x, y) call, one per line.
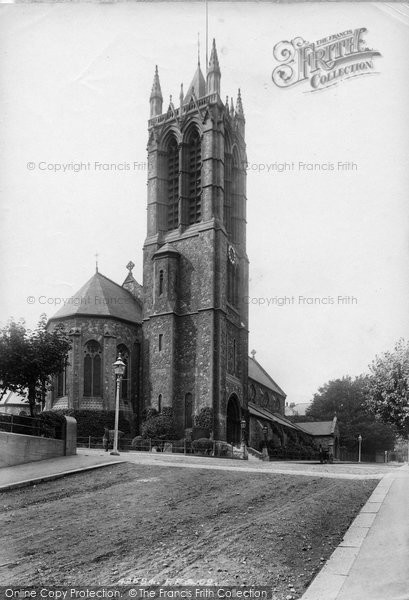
point(263, 413)
point(101, 297)
point(198, 84)
point(257, 373)
point(166, 249)
point(318, 427)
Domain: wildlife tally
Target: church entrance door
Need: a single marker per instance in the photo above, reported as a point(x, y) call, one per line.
point(233, 420)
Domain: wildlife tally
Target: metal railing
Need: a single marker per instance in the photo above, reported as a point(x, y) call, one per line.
point(291, 454)
point(214, 448)
point(25, 425)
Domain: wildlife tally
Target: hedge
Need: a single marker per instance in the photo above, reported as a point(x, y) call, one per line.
point(92, 422)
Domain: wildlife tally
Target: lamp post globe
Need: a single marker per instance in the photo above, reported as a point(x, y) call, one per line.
point(119, 366)
point(359, 447)
point(119, 370)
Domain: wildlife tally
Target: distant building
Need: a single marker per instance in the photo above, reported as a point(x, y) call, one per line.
point(296, 410)
point(13, 403)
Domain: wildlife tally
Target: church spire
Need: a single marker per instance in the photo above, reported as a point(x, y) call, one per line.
point(213, 72)
point(239, 106)
point(240, 114)
point(156, 98)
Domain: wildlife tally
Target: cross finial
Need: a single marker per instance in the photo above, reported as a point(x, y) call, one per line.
point(96, 262)
point(130, 266)
point(253, 354)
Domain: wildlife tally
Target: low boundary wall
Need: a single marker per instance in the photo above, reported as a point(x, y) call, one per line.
point(16, 448)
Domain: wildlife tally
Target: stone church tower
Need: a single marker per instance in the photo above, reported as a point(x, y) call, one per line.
point(195, 266)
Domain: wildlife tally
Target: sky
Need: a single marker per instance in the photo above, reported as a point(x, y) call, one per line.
point(75, 86)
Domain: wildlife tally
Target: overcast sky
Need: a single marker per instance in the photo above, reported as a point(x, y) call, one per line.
point(75, 88)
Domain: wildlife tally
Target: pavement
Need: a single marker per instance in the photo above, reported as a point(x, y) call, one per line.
point(53, 468)
point(371, 562)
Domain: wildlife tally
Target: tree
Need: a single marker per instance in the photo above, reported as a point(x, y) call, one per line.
point(346, 398)
point(29, 359)
point(387, 389)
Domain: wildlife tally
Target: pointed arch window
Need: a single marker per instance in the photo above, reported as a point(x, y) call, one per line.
point(62, 380)
point(126, 381)
point(161, 282)
point(232, 284)
point(188, 410)
point(194, 178)
point(173, 184)
point(92, 369)
point(160, 403)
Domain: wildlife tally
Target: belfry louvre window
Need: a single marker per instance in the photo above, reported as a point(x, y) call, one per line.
point(195, 178)
point(173, 185)
point(92, 369)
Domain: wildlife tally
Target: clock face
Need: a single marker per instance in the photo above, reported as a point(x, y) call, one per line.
point(232, 255)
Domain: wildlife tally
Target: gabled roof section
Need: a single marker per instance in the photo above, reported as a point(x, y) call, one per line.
point(101, 297)
point(198, 85)
point(257, 373)
point(318, 427)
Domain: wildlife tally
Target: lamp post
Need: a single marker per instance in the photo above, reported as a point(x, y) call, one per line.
point(265, 433)
point(119, 370)
point(359, 447)
point(265, 450)
point(243, 430)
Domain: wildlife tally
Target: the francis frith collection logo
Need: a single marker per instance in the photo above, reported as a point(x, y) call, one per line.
point(325, 62)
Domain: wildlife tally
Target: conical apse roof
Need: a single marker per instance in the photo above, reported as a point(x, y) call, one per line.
point(101, 297)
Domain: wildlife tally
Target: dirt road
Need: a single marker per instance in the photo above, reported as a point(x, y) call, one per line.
point(140, 522)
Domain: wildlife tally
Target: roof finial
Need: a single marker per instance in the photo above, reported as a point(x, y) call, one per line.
point(253, 354)
point(239, 105)
point(198, 49)
point(130, 266)
point(213, 72)
point(96, 262)
point(156, 98)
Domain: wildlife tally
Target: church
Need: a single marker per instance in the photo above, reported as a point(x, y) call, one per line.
point(183, 333)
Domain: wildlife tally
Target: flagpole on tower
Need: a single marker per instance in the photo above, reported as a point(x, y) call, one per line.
point(207, 37)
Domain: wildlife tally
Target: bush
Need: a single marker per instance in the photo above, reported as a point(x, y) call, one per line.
point(149, 412)
point(199, 433)
point(160, 426)
point(204, 420)
point(202, 446)
point(180, 445)
point(52, 424)
point(92, 422)
point(222, 448)
point(140, 443)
